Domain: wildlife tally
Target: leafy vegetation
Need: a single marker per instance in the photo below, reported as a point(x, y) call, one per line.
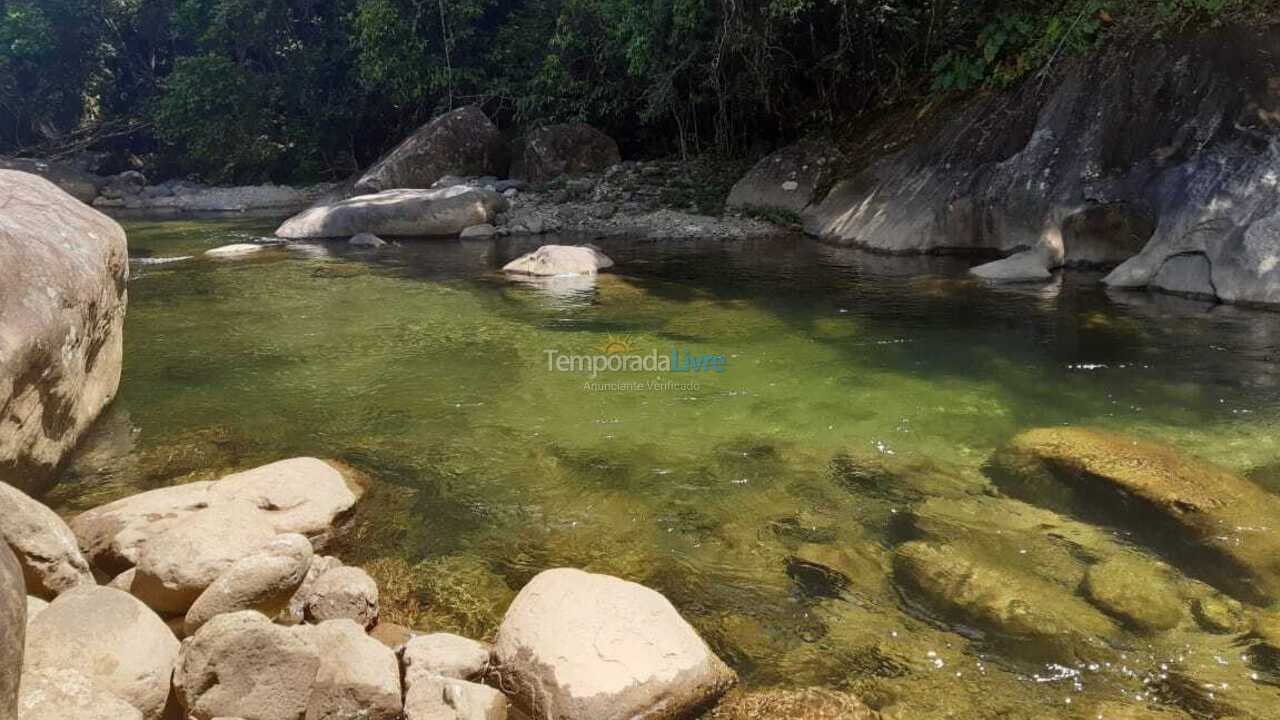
point(234, 90)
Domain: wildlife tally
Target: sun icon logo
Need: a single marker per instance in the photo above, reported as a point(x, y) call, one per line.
point(618, 344)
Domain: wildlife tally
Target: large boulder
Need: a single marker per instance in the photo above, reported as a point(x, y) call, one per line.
point(444, 212)
point(358, 678)
point(46, 547)
point(1216, 524)
point(1139, 154)
point(788, 179)
point(552, 260)
point(580, 646)
point(298, 495)
point(241, 665)
point(460, 142)
point(66, 694)
point(111, 638)
point(13, 624)
point(77, 183)
point(63, 272)
point(569, 149)
point(263, 581)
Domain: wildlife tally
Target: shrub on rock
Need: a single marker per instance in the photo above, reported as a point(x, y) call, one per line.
point(581, 646)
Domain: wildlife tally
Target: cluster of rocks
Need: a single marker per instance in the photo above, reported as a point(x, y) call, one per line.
point(217, 604)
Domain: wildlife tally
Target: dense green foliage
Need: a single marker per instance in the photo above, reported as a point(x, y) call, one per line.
point(295, 89)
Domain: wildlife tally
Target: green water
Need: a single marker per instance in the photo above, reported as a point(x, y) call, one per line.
point(856, 388)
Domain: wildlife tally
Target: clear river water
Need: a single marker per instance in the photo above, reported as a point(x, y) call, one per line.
point(762, 495)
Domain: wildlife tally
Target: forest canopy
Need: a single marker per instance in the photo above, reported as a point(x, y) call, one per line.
point(290, 90)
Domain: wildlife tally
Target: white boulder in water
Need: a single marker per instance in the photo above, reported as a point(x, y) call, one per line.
point(550, 260)
point(444, 212)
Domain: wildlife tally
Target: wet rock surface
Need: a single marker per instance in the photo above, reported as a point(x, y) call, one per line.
point(443, 212)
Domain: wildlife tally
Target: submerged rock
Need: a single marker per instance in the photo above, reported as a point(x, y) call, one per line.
point(580, 646)
point(429, 213)
point(13, 624)
point(787, 179)
point(1219, 615)
point(550, 260)
point(461, 142)
point(112, 639)
point(236, 250)
point(66, 266)
point(1221, 526)
point(1139, 594)
point(551, 151)
point(45, 546)
point(1027, 615)
point(787, 704)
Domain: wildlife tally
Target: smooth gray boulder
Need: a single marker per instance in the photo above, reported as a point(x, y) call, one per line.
point(444, 212)
point(483, 230)
point(64, 694)
point(788, 179)
point(580, 646)
point(551, 151)
point(263, 581)
point(45, 546)
point(63, 274)
point(109, 637)
point(1025, 266)
point(299, 495)
point(344, 593)
point(367, 240)
point(242, 665)
point(358, 678)
point(13, 628)
point(551, 260)
point(460, 142)
point(444, 654)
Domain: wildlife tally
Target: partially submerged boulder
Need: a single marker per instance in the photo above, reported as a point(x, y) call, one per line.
point(1220, 525)
point(788, 179)
point(550, 260)
point(13, 624)
point(65, 694)
point(1140, 595)
point(791, 704)
point(45, 546)
point(581, 646)
point(299, 495)
point(550, 151)
point(443, 212)
point(64, 265)
point(111, 638)
point(460, 142)
point(263, 581)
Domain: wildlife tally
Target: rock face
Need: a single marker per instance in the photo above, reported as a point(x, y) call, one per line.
point(299, 495)
point(63, 272)
point(444, 212)
point(358, 677)
point(69, 695)
point(112, 639)
point(263, 581)
point(550, 260)
point(461, 142)
point(570, 149)
point(241, 665)
point(1140, 155)
point(344, 593)
point(787, 179)
point(46, 547)
point(580, 646)
point(13, 624)
point(1217, 523)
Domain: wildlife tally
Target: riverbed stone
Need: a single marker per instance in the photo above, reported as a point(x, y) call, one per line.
point(344, 593)
point(358, 678)
point(13, 624)
point(46, 548)
point(243, 665)
point(444, 212)
point(235, 250)
point(65, 694)
point(550, 260)
point(812, 703)
point(483, 230)
point(1026, 614)
point(178, 565)
point(1219, 614)
point(110, 637)
point(445, 654)
point(787, 179)
point(1221, 525)
point(65, 266)
point(296, 611)
point(551, 151)
point(1139, 594)
point(303, 495)
point(460, 142)
point(437, 697)
point(367, 240)
point(578, 646)
point(263, 581)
